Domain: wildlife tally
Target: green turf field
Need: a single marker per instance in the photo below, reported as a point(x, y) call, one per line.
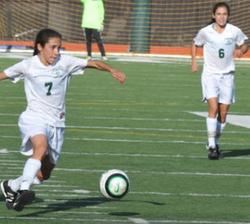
point(146, 129)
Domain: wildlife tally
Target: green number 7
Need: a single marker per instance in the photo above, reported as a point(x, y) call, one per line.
point(49, 85)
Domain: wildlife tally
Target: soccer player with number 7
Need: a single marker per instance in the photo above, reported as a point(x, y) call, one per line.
point(46, 77)
point(221, 42)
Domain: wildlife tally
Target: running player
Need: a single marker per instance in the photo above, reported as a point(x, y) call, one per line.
point(221, 41)
point(46, 76)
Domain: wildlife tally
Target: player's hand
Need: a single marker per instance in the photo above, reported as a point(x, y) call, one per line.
point(238, 53)
point(120, 76)
point(101, 29)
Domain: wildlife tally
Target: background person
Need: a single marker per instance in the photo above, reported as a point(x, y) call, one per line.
point(221, 41)
point(92, 23)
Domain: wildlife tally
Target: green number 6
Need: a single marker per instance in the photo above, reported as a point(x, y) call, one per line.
point(221, 53)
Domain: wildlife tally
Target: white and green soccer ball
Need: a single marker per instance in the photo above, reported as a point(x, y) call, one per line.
point(114, 184)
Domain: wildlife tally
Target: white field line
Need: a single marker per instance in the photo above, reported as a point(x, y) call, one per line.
point(123, 128)
point(196, 222)
point(176, 156)
point(134, 141)
point(134, 129)
point(72, 190)
point(57, 186)
point(138, 221)
point(161, 194)
point(72, 220)
point(82, 220)
point(147, 172)
point(81, 213)
point(63, 196)
point(121, 118)
point(12, 162)
point(193, 194)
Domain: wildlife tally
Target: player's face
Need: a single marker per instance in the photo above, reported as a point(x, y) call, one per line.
point(50, 52)
point(221, 16)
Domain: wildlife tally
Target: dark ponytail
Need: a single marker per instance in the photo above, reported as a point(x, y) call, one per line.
point(43, 37)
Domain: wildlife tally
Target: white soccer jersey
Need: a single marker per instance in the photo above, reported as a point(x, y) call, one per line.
point(219, 47)
point(46, 86)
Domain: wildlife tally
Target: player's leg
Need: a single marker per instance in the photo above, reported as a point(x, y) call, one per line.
point(98, 38)
point(226, 97)
point(46, 169)
point(211, 122)
point(221, 124)
point(14, 188)
point(88, 35)
point(210, 90)
point(31, 168)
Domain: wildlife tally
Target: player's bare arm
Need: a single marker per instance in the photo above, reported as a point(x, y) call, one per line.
point(240, 51)
point(3, 76)
point(193, 56)
point(120, 76)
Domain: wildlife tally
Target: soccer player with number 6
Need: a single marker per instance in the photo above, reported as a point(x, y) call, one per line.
point(221, 42)
point(46, 77)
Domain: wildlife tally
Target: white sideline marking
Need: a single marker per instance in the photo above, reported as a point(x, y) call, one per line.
point(10, 161)
point(138, 221)
point(120, 118)
point(130, 155)
point(192, 194)
point(9, 114)
point(134, 141)
point(197, 222)
point(147, 172)
point(66, 219)
point(119, 220)
point(132, 128)
point(4, 151)
point(238, 120)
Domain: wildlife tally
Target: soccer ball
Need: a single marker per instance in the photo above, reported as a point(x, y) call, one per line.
point(114, 184)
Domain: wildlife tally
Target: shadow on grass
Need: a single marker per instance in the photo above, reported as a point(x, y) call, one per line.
point(130, 214)
point(64, 206)
point(235, 152)
point(80, 203)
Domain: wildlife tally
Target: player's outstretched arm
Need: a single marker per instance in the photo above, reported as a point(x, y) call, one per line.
point(3, 76)
point(120, 76)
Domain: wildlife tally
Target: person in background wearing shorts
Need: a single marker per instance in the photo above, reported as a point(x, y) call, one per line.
point(46, 76)
point(221, 42)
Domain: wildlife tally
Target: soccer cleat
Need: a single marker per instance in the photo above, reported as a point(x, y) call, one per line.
point(23, 198)
point(104, 58)
point(213, 153)
point(8, 194)
point(89, 58)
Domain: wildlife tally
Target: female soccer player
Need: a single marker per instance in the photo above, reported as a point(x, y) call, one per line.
point(46, 76)
point(221, 41)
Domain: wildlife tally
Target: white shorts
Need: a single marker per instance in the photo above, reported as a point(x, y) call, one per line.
point(220, 86)
point(30, 125)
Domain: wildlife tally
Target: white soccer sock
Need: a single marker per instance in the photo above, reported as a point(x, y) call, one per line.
point(15, 184)
point(219, 130)
point(31, 167)
point(36, 181)
point(211, 131)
